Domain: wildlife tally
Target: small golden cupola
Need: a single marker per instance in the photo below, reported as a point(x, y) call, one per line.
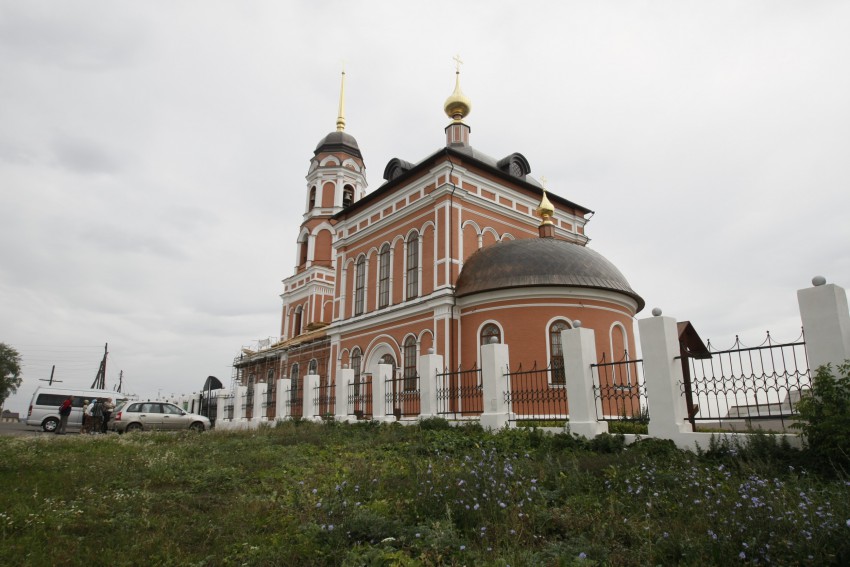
point(457, 107)
point(546, 211)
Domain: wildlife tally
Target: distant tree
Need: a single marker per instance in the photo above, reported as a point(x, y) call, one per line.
point(10, 371)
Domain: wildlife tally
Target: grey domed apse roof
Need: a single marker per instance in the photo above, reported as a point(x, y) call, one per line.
point(339, 141)
point(535, 262)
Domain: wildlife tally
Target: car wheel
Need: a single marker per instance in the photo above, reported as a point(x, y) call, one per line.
point(50, 424)
point(197, 426)
point(134, 427)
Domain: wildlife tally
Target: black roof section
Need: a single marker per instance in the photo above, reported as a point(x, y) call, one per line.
point(402, 171)
point(540, 262)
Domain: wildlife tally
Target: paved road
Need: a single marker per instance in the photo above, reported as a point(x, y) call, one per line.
point(20, 430)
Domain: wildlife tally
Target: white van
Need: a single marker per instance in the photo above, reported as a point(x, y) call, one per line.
point(44, 407)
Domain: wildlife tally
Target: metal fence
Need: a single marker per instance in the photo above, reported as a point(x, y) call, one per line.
point(402, 398)
point(360, 397)
point(228, 407)
point(460, 394)
point(619, 390)
point(746, 387)
point(270, 401)
point(536, 394)
point(324, 400)
point(295, 400)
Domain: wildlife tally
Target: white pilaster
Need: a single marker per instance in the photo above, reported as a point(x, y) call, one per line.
point(379, 390)
point(495, 359)
point(428, 366)
point(579, 346)
point(826, 323)
point(659, 341)
point(259, 397)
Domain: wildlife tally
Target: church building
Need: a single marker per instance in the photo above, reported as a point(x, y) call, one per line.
point(451, 252)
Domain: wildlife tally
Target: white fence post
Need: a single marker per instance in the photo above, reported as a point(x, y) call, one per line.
point(495, 359)
point(220, 402)
point(309, 399)
point(428, 366)
point(659, 341)
point(379, 389)
point(579, 346)
point(826, 323)
point(259, 397)
point(238, 413)
point(344, 378)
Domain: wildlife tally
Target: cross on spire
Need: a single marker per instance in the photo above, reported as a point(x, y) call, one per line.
point(543, 181)
point(458, 63)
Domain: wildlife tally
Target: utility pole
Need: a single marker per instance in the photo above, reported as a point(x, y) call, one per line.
point(50, 382)
point(120, 381)
point(100, 380)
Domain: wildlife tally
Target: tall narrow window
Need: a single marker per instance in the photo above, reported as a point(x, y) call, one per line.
point(293, 376)
point(270, 377)
point(296, 324)
point(490, 331)
point(355, 366)
point(412, 266)
point(302, 251)
point(312, 197)
point(359, 285)
point(384, 277)
point(410, 363)
point(556, 351)
point(347, 196)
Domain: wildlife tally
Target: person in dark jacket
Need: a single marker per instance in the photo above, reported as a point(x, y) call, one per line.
point(64, 413)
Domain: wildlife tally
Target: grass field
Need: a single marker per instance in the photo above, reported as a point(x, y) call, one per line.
point(315, 494)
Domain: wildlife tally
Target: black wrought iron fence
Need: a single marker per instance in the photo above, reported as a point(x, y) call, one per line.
point(619, 390)
point(460, 394)
point(402, 396)
point(248, 404)
point(531, 395)
point(359, 397)
point(294, 401)
point(209, 406)
point(746, 386)
point(270, 400)
point(324, 400)
point(228, 407)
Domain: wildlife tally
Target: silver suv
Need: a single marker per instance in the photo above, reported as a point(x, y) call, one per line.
point(138, 416)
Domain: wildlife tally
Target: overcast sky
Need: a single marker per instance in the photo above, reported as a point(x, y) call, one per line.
point(153, 154)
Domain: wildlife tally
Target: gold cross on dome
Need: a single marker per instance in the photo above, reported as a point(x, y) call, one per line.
point(458, 62)
point(543, 181)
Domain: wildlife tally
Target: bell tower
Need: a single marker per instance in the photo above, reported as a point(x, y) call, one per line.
point(336, 179)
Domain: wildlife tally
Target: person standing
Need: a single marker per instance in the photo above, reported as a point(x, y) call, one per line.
point(86, 426)
point(96, 415)
point(108, 408)
point(64, 413)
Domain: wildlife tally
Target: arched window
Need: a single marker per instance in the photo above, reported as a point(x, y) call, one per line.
point(410, 363)
point(413, 265)
point(384, 277)
point(556, 351)
point(312, 197)
point(355, 366)
point(489, 331)
point(359, 285)
point(293, 376)
point(388, 359)
point(302, 251)
point(347, 196)
point(313, 366)
point(296, 324)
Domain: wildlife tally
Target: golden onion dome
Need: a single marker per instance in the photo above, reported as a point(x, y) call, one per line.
point(457, 105)
point(546, 209)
